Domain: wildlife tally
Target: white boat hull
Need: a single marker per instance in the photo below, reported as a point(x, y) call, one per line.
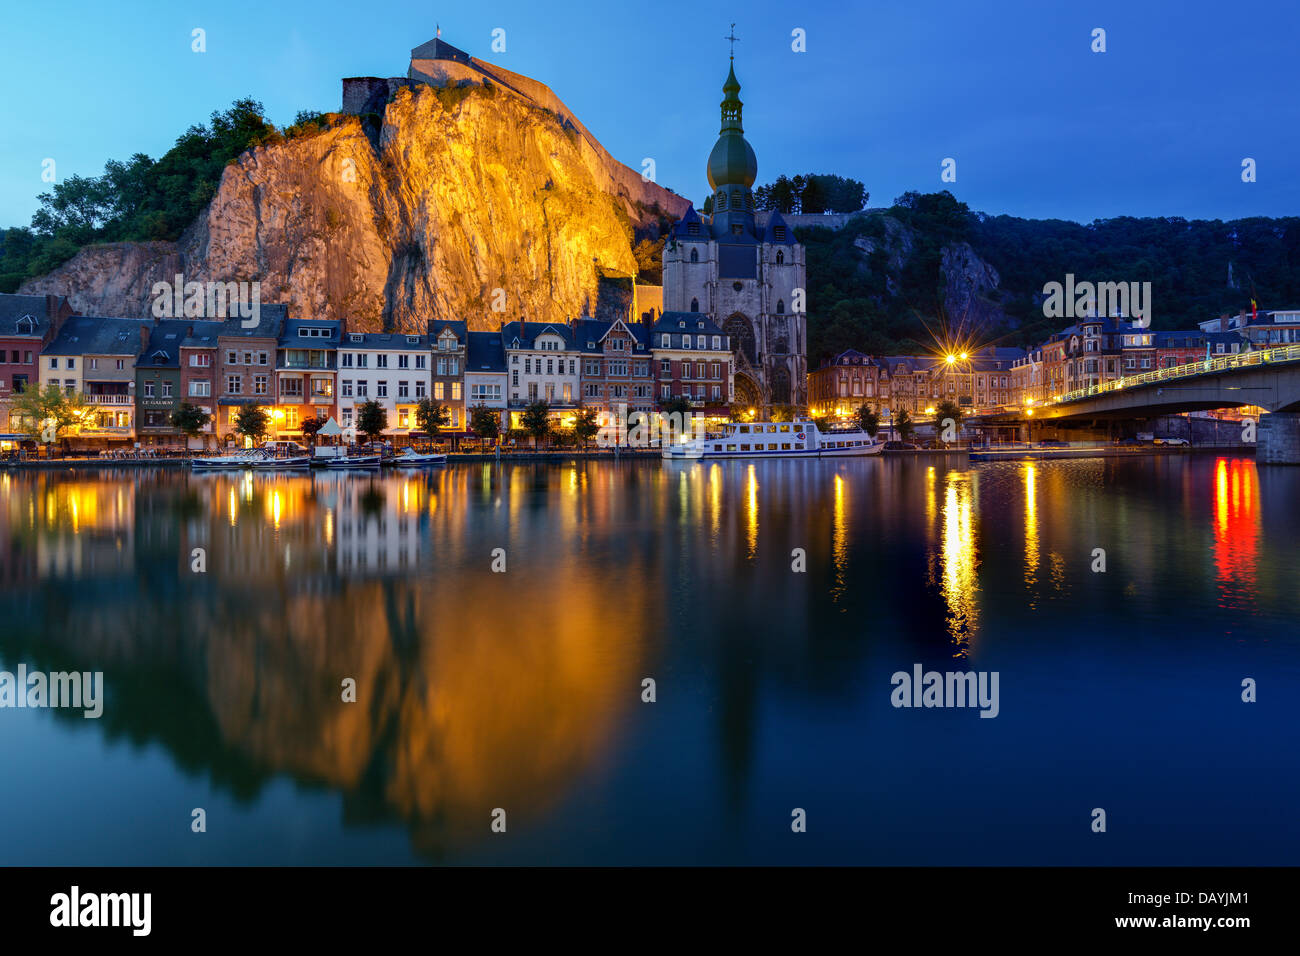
point(355, 461)
point(413, 461)
point(775, 440)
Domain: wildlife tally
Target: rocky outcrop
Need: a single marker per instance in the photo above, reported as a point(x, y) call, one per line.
point(470, 203)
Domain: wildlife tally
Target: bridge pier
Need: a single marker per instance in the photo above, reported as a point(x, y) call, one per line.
point(1278, 439)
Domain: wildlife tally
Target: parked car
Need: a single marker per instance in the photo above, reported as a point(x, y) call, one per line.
point(1172, 441)
point(900, 446)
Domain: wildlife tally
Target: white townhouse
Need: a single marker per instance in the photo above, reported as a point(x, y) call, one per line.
point(543, 364)
point(391, 368)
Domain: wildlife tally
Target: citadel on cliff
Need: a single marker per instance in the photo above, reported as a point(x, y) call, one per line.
point(742, 269)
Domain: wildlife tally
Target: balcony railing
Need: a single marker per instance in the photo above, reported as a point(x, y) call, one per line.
point(109, 399)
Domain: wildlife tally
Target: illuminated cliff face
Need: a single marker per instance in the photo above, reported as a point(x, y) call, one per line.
point(468, 192)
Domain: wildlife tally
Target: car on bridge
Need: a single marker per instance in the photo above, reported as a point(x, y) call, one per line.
point(1172, 441)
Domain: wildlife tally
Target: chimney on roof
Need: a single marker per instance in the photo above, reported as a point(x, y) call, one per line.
point(144, 337)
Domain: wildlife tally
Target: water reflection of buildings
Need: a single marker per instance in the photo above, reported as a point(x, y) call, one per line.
point(62, 526)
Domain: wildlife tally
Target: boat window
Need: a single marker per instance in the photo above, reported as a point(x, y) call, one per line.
point(771, 428)
point(744, 448)
point(772, 447)
point(731, 448)
point(785, 446)
point(744, 429)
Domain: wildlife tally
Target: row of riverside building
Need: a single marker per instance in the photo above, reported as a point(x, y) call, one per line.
point(1090, 352)
point(137, 372)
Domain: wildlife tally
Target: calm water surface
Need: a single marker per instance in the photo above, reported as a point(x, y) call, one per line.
point(522, 690)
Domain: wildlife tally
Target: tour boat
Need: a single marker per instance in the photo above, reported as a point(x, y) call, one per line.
point(411, 458)
point(799, 439)
point(354, 461)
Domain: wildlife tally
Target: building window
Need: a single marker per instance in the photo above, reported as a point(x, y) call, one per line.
point(780, 306)
point(381, 389)
point(166, 389)
point(780, 253)
point(148, 389)
point(695, 305)
point(234, 384)
point(403, 389)
point(381, 361)
point(455, 391)
point(259, 384)
point(437, 390)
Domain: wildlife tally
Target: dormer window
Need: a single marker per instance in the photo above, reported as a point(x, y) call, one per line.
point(413, 340)
point(354, 337)
point(681, 325)
point(26, 325)
point(665, 341)
point(590, 344)
point(699, 325)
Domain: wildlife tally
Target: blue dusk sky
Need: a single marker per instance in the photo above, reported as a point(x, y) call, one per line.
point(1039, 125)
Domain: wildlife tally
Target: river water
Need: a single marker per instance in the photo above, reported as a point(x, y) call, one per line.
point(501, 622)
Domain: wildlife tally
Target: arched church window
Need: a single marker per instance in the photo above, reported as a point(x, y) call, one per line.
point(780, 257)
point(695, 305)
point(695, 256)
point(780, 306)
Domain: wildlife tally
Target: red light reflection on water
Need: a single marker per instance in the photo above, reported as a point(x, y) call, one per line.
point(1236, 531)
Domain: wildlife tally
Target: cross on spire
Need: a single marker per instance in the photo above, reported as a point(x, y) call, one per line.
point(733, 38)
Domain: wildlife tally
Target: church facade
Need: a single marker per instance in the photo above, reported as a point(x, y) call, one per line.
point(748, 278)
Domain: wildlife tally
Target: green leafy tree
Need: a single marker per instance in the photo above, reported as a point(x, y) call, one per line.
point(190, 419)
point(252, 421)
point(903, 425)
point(783, 413)
point(867, 419)
point(536, 420)
point(677, 405)
point(948, 409)
point(47, 413)
point(585, 425)
point(431, 415)
point(484, 422)
point(310, 426)
point(372, 420)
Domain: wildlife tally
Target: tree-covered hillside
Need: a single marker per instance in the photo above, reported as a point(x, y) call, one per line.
point(880, 283)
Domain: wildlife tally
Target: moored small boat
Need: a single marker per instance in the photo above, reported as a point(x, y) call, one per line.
point(282, 464)
point(243, 459)
point(354, 461)
point(411, 459)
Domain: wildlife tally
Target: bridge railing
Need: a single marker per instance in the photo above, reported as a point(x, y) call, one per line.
point(1219, 363)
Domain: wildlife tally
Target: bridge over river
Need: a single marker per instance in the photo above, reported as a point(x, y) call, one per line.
point(1269, 378)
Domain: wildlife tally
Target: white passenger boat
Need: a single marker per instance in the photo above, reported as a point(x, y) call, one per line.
point(411, 459)
point(799, 439)
point(354, 461)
